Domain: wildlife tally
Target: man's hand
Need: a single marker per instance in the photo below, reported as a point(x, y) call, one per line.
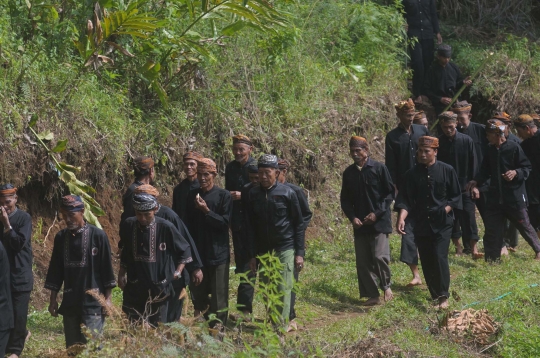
point(448, 208)
point(4, 218)
point(357, 224)
point(197, 277)
point(299, 263)
point(400, 226)
point(471, 185)
point(236, 195)
point(467, 81)
point(446, 100)
point(509, 175)
point(200, 204)
point(253, 265)
point(370, 219)
point(475, 194)
point(53, 308)
point(439, 38)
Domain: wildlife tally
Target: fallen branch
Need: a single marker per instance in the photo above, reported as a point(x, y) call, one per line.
point(48, 231)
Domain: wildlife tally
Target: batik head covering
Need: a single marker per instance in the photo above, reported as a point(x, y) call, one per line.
point(192, 156)
point(405, 106)
point(461, 106)
point(240, 138)
point(253, 168)
point(268, 161)
point(206, 164)
point(358, 142)
point(536, 119)
point(430, 142)
point(447, 116)
point(503, 117)
point(7, 190)
point(444, 50)
point(419, 115)
point(146, 189)
point(143, 163)
point(495, 126)
point(72, 203)
point(283, 164)
point(523, 120)
point(144, 202)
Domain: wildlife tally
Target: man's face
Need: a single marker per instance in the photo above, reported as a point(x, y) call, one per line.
point(206, 179)
point(241, 152)
point(267, 177)
point(8, 202)
point(421, 121)
point(449, 129)
point(524, 132)
point(493, 138)
point(359, 155)
point(190, 167)
point(426, 155)
point(73, 220)
point(464, 119)
point(443, 61)
point(145, 218)
point(253, 178)
point(507, 129)
point(406, 119)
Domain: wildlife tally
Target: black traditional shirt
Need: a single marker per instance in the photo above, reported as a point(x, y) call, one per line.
point(459, 152)
point(6, 308)
point(428, 190)
point(513, 138)
point(442, 82)
point(422, 18)
point(477, 132)
point(366, 191)
point(210, 231)
point(127, 201)
point(18, 245)
point(531, 148)
point(509, 156)
point(80, 261)
point(151, 254)
point(236, 176)
point(304, 204)
point(180, 196)
point(400, 150)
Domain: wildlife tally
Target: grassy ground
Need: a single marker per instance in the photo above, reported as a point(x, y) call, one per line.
point(332, 322)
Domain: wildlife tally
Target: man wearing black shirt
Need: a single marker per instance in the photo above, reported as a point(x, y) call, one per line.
point(400, 156)
point(16, 226)
point(6, 309)
point(181, 191)
point(143, 167)
point(457, 150)
point(366, 196)
point(429, 196)
point(208, 216)
point(422, 24)
point(508, 168)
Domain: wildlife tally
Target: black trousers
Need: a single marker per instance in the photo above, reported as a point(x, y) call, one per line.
point(212, 294)
point(494, 238)
point(246, 291)
point(139, 305)
point(465, 222)
point(433, 251)
point(511, 236)
point(409, 252)
point(422, 54)
point(4, 337)
point(73, 332)
point(175, 305)
point(534, 216)
point(372, 263)
point(18, 335)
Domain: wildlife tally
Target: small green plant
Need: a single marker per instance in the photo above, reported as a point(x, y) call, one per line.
point(38, 228)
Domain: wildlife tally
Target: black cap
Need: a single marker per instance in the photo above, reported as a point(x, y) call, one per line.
point(444, 51)
point(268, 161)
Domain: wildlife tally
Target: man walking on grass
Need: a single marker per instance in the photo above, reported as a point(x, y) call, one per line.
point(429, 196)
point(366, 196)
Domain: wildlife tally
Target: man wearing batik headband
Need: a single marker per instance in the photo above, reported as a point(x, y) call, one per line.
point(153, 256)
point(181, 191)
point(367, 193)
point(457, 150)
point(275, 224)
point(429, 197)
point(143, 168)
point(236, 176)
point(16, 228)
point(208, 216)
point(536, 119)
point(421, 119)
point(400, 156)
point(81, 262)
point(507, 120)
point(528, 131)
point(508, 167)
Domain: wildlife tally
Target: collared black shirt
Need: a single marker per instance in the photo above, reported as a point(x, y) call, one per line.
point(6, 308)
point(428, 190)
point(180, 196)
point(18, 245)
point(509, 156)
point(422, 18)
point(400, 151)
point(366, 191)
point(210, 232)
point(531, 148)
point(459, 152)
point(442, 82)
point(236, 176)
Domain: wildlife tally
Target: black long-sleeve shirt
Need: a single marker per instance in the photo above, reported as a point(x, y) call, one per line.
point(400, 151)
point(210, 232)
point(275, 221)
point(421, 16)
point(81, 261)
point(366, 191)
point(442, 82)
point(304, 204)
point(477, 132)
point(459, 152)
point(509, 156)
point(531, 148)
point(180, 196)
point(6, 308)
point(513, 138)
point(428, 190)
point(18, 245)
point(236, 176)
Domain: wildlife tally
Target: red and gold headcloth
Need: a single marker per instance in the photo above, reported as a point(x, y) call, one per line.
point(206, 164)
point(495, 126)
point(240, 138)
point(146, 189)
point(358, 142)
point(405, 106)
point(462, 106)
point(502, 116)
point(7, 190)
point(430, 142)
point(419, 115)
point(192, 156)
point(143, 163)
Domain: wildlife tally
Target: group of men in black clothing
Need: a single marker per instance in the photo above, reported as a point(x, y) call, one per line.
point(437, 184)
